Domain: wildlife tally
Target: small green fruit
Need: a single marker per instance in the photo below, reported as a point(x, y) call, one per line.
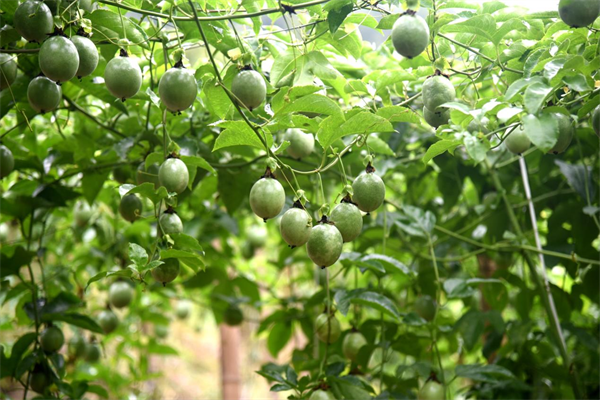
point(8, 70)
point(82, 212)
point(267, 198)
point(325, 244)
point(121, 174)
point(321, 395)
point(295, 227)
point(233, 316)
point(256, 236)
point(108, 321)
point(437, 90)
point(438, 118)
point(59, 59)
point(120, 294)
point(431, 390)
point(92, 352)
point(77, 346)
point(182, 311)
point(348, 220)
point(170, 223)
point(479, 125)
point(369, 192)
point(177, 89)
point(173, 175)
point(131, 207)
point(517, 142)
point(596, 120)
point(426, 308)
point(149, 174)
point(328, 328)
point(33, 20)
point(88, 55)
point(352, 345)
point(39, 381)
point(565, 133)
point(123, 77)
point(301, 144)
point(52, 339)
point(166, 272)
point(161, 331)
point(578, 13)
point(7, 161)
point(43, 94)
point(247, 250)
point(410, 35)
point(249, 88)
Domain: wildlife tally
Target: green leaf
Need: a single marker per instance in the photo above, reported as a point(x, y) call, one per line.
point(313, 103)
point(217, 99)
point(457, 288)
point(542, 130)
point(336, 17)
point(578, 178)
point(147, 190)
point(138, 254)
point(398, 114)
point(490, 373)
point(108, 24)
point(81, 321)
point(191, 260)
point(477, 148)
point(162, 349)
point(197, 161)
point(387, 22)
point(471, 326)
point(535, 95)
point(238, 133)
point(439, 148)
point(479, 25)
point(392, 264)
point(369, 299)
point(379, 146)
point(92, 183)
point(186, 242)
point(279, 336)
point(13, 258)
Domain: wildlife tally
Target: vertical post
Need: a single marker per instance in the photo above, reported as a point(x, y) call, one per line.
point(230, 362)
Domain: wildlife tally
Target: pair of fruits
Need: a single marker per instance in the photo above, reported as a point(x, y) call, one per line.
point(61, 58)
point(517, 141)
point(437, 90)
point(7, 161)
point(578, 13)
point(52, 339)
point(328, 330)
point(410, 34)
point(249, 89)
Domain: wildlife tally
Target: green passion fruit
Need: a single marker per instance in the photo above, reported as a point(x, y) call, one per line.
point(295, 227)
point(352, 344)
point(233, 315)
point(596, 120)
point(517, 141)
point(328, 328)
point(437, 118)
point(321, 395)
point(301, 144)
point(369, 192)
point(149, 174)
point(578, 13)
point(33, 20)
point(267, 198)
point(256, 236)
point(324, 245)
point(183, 309)
point(173, 175)
point(348, 220)
point(8, 70)
point(565, 133)
point(39, 381)
point(410, 35)
point(82, 212)
point(59, 59)
point(437, 90)
point(7, 161)
point(43, 94)
point(120, 294)
point(88, 55)
point(177, 89)
point(161, 331)
point(123, 77)
point(108, 321)
point(431, 390)
point(77, 346)
point(426, 308)
point(52, 339)
point(479, 125)
point(131, 207)
point(121, 174)
point(166, 272)
point(249, 88)
point(170, 223)
point(92, 352)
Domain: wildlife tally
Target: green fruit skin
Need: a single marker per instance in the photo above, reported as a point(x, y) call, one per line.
point(233, 316)
point(82, 212)
point(108, 321)
point(166, 272)
point(247, 250)
point(565, 133)
point(426, 308)
point(39, 381)
point(328, 328)
point(437, 90)
point(250, 89)
point(182, 311)
point(52, 339)
point(410, 35)
point(352, 344)
point(120, 294)
point(431, 391)
point(578, 13)
point(33, 20)
point(267, 198)
point(59, 59)
point(295, 227)
point(438, 118)
point(77, 346)
point(121, 174)
point(131, 207)
point(161, 331)
point(177, 89)
point(348, 220)
point(92, 352)
point(7, 161)
point(369, 192)
point(171, 223)
point(8, 70)
point(321, 395)
point(517, 142)
point(173, 175)
point(596, 120)
point(149, 174)
point(43, 94)
point(324, 246)
point(477, 125)
point(53, 5)
point(88, 55)
point(123, 77)
point(257, 236)
point(301, 144)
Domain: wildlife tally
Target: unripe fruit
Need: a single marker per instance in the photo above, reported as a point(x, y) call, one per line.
point(39, 381)
point(92, 352)
point(348, 220)
point(177, 89)
point(324, 245)
point(149, 174)
point(88, 55)
point(438, 118)
point(425, 306)
point(77, 346)
point(328, 328)
point(437, 90)
point(33, 20)
point(301, 144)
point(8, 70)
point(352, 345)
point(43, 94)
point(479, 125)
point(131, 207)
point(321, 395)
point(249, 88)
point(267, 198)
point(295, 227)
point(120, 294)
point(123, 77)
point(166, 272)
point(578, 13)
point(517, 142)
point(410, 35)
point(596, 120)
point(173, 175)
point(233, 316)
point(369, 192)
point(257, 236)
point(82, 212)
point(182, 311)
point(121, 174)
point(108, 321)
point(431, 390)
point(565, 133)
point(59, 59)
point(170, 223)
point(161, 331)
point(52, 339)
point(7, 161)
point(247, 250)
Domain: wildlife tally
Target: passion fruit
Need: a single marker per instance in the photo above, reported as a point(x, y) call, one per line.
point(233, 315)
point(249, 88)
point(328, 328)
point(295, 227)
point(120, 294)
point(177, 89)
point(348, 220)
point(131, 207)
point(59, 59)
point(170, 223)
point(324, 245)
point(321, 395)
point(33, 20)
point(108, 321)
point(596, 120)
point(173, 175)
point(369, 191)
point(43, 94)
point(431, 390)
point(7, 161)
point(479, 125)
point(565, 133)
point(88, 55)
point(437, 118)
point(82, 212)
point(52, 339)
point(578, 13)
point(166, 272)
point(93, 352)
point(39, 381)
point(161, 331)
point(301, 144)
point(410, 35)
point(517, 141)
point(121, 174)
point(267, 198)
point(437, 90)
point(257, 236)
point(77, 346)
point(123, 77)
point(352, 344)
point(149, 174)
point(8, 70)
point(426, 308)
point(183, 309)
